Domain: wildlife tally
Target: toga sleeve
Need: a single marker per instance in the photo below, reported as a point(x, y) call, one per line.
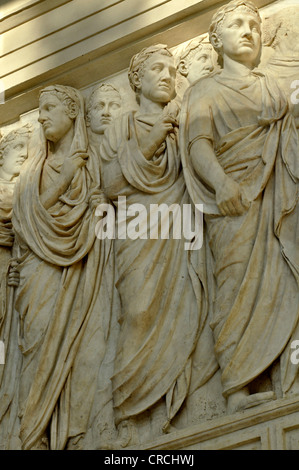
point(200, 118)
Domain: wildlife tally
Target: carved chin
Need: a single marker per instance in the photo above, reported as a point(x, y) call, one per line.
point(51, 136)
point(48, 133)
point(164, 96)
point(99, 129)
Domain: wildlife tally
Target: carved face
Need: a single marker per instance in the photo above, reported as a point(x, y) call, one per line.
point(240, 36)
point(157, 82)
point(201, 64)
point(13, 157)
point(54, 117)
point(105, 107)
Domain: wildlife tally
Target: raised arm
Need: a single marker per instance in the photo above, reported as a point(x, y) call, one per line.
point(151, 144)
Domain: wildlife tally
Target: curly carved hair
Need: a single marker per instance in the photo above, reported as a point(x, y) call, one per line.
point(7, 140)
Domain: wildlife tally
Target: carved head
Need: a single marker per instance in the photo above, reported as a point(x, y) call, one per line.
point(58, 108)
point(103, 105)
point(152, 73)
point(196, 60)
point(13, 152)
point(235, 32)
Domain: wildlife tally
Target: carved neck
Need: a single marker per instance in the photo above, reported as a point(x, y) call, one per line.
point(63, 145)
point(150, 107)
point(7, 176)
point(232, 67)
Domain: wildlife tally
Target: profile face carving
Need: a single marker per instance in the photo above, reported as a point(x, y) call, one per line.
point(103, 107)
point(55, 116)
point(238, 35)
point(197, 62)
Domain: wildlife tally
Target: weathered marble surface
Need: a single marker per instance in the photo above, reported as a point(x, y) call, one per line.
point(115, 343)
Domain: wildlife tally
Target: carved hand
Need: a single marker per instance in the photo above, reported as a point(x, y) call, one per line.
point(13, 274)
point(229, 198)
point(156, 137)
point(96, 197)
point(68, 170)
point(72, 164)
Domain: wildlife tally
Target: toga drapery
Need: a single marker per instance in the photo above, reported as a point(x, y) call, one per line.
point(6, 240)
point(255, 256)
point(9, 370)
point(63, 299)
point(163, 311)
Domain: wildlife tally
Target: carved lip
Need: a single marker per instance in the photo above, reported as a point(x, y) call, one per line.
point(46, 124)
point(165, 86)
point(246, 42)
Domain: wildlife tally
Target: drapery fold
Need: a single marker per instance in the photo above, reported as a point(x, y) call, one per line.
point(63, 296)
point(161, 310)
point(255, 256)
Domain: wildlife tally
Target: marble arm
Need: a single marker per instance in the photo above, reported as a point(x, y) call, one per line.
point(228, 193)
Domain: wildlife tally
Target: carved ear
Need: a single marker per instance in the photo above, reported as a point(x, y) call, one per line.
point(73, 110)
point(216, 41)
point(183, 68)
point(136, 80)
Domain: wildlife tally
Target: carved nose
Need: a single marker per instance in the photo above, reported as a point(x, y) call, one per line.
point(106, 111)
point(247, 32)
point(166, 77)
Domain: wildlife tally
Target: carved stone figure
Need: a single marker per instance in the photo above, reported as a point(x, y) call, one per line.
point(62, 299)
point(196, 60)
point(240, 158)
point(161, 312)
point(13, 153)
point(120, 332)
point(102, 107)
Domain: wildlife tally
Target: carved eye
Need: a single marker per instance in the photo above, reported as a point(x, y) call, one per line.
point(203, 58)
point(50, 107)
point(235, 24)
point(255, 28)
point(18, 146)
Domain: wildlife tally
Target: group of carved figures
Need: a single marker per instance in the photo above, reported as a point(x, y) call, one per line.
point(101, 334)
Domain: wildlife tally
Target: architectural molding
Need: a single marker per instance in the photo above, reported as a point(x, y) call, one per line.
point(272, 426)
point(78, 44)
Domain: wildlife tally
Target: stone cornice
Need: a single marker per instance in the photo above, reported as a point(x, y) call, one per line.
point(65, 45)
